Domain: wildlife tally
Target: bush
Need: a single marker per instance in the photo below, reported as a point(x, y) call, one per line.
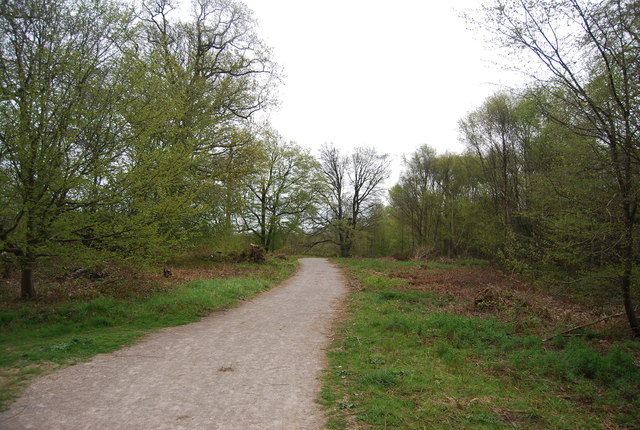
point(253, 254)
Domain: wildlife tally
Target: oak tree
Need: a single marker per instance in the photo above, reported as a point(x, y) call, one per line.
point(282, 193)
point(59, 127)
point(352, 185)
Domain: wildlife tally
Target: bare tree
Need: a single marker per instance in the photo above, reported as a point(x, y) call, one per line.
point(590, 57)
point(353, 183)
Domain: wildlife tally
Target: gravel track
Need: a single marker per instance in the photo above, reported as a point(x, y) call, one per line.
point(251, 367)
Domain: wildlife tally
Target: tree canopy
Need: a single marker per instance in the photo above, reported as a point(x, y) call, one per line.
point(112, 119)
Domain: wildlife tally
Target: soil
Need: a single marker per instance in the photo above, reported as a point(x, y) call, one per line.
point(252, 367)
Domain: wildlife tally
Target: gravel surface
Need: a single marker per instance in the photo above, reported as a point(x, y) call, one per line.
point(251, 367)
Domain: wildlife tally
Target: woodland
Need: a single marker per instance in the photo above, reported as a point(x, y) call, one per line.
point(129, 134)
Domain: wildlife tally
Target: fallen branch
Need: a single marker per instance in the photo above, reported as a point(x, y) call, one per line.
point(585, 325)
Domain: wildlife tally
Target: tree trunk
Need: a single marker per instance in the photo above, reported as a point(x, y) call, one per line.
point(27, 289)
point(6, 269)
point(452, 250)
point(626, 275)
point(346, 242)
point(628, 303)
point(345, 250)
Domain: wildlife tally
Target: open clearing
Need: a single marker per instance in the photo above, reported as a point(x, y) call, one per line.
point(457, 345)
point(255, 366)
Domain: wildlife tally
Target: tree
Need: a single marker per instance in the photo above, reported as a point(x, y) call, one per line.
point(197, 83)
point(224, 190)
point(590, 57)
point(500, 135)
point(191, 87)
point(429, 197)
point(213, 70)
point(58, 125)
point(352, 183)
point(414, 197)
point(112, 127)
point(282, 193)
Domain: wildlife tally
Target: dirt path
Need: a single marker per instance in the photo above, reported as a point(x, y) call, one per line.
point(252, 367)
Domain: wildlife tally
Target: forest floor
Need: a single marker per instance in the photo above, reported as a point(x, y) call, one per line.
point(254, 366)
point(460, 345)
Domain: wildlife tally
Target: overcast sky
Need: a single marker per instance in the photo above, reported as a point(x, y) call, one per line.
point(393, 75)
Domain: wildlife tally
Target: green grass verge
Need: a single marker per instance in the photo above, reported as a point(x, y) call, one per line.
point(36, 338)
point(401, 362)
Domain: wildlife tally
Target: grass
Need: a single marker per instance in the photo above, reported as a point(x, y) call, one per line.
point(36, 338)
point(408, 358)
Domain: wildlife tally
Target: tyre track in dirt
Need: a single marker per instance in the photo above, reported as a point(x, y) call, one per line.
point(251, 367)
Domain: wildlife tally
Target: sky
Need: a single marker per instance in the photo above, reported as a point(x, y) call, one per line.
point(392, 75)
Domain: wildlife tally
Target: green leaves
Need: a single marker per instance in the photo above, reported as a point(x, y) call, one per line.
point(113, 122)
point(282, 192)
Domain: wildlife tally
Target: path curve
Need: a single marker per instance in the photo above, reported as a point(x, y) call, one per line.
point(251, 367)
